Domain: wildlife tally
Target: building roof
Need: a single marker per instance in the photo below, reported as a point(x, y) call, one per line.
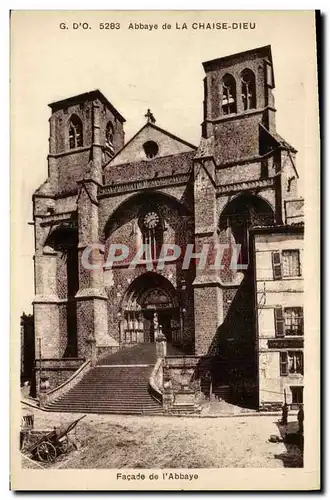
point(86, 96)
point(278, 139)
point(163, 131)
point(264, 51)
point(297, 227)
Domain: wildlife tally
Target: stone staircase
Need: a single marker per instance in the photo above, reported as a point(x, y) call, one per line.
point(117, 384)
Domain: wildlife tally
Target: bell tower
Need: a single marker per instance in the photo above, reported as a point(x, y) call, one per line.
point(237, 99)
point(83, 128)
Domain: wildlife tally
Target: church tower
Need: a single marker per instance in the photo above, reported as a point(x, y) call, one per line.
point(242, 170)
point(86, 131)
point(238, 101)
point(82, 128)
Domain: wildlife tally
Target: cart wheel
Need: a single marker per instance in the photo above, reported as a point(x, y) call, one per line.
point(64, 445)
point(46, 452)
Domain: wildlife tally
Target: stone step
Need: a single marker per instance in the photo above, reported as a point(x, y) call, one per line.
point(117, 411)
point(114, 388)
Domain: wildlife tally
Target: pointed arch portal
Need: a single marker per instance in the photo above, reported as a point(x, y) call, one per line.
point(240, 215)
point(150, 299)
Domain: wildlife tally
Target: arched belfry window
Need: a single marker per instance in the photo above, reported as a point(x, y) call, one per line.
point(75, 132)
point(109, 133)
point(228, 95)
point(248, 83)
point(152, 228)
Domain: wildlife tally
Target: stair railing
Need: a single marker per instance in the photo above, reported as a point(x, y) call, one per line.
point(156, 381)
point(70, 383)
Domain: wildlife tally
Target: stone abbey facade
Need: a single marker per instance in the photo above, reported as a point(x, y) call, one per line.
point(158, 189)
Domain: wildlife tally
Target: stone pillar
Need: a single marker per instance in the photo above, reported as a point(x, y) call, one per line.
point(207, 292)
point(168, 395)
point(97, 144)
point(92, 314)
point(52, 160)
point(208, 299)
point(46, 305)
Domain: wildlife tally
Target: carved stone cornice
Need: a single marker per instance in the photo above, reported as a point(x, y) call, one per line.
point(242, 186)
point(131, 186)
point(48, 220)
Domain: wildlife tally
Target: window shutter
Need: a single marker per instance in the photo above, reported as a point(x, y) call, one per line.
point(300, 312)
point(277, 268)
point(283, 364)
point(279, 322)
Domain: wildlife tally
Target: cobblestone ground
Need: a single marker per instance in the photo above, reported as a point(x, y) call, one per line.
point(114, 441)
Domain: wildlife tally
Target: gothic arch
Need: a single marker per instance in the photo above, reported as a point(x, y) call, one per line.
point(109, 136)
point(228, 95)
point(135, 203)
point(149, 305)
point(138, 291)
point(248, 89)
point(60, 237)
point(241, 214)
point(63, 242)
point(258, 198)
point(75, 128)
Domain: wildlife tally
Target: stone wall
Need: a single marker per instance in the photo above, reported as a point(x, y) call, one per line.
point(148, 169)
point(57, 370)
point(239, 131)
point(134, 151)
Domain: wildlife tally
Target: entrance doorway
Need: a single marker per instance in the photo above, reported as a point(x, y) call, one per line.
point(168, 320)
point(150, 300)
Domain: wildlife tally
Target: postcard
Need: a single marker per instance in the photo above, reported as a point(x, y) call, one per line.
point(165, 178)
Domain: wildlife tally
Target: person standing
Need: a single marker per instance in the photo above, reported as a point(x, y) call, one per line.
point(285, 412)
point(300, 418)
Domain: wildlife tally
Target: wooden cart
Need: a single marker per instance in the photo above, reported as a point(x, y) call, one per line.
point(47, 447)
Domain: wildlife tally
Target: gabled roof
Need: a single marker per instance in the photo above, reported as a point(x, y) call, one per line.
point(159, 129)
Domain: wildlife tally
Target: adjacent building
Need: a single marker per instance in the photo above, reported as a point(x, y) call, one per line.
point(279, 269)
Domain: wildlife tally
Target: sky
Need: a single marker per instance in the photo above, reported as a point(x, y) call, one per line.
point(159, 69)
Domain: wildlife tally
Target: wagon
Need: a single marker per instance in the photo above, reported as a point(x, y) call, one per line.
point(47, 447)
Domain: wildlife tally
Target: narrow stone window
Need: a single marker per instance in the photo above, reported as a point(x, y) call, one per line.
point(109, 134)
point(248, 83)
point(75, 132)
point(228, 95)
